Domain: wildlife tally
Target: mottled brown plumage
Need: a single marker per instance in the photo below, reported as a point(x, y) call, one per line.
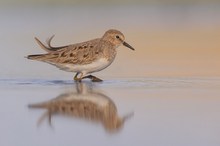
point(83, 58)
point(85, 104)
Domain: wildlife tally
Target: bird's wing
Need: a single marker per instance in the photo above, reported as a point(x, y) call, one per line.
point(49, 48)
point(81, 53)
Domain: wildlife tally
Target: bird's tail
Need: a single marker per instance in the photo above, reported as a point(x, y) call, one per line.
point(36, 57)
point(39, 105)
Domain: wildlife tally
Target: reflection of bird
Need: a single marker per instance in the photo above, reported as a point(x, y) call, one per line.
point(86, 104)
point(86, 57)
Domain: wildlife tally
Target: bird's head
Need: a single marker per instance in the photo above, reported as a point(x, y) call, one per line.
point(116, 38)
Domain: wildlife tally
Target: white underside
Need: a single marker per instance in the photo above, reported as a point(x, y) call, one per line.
point(97, 99)
point(87, 68)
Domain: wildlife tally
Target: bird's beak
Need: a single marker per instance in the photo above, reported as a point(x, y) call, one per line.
point(127, 45)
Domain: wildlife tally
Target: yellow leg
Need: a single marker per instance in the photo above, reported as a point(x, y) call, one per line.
point(76, 77)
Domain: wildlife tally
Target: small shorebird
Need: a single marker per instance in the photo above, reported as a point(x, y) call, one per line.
point(83, 58)
point(85, 103)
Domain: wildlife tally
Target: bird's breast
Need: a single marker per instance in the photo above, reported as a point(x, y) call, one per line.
point(94, 66)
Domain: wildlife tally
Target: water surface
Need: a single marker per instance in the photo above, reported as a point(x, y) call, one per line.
point(170, 41)
point(165, 111)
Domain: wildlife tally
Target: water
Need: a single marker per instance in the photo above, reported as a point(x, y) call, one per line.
point(167, 90)
point(164, 111)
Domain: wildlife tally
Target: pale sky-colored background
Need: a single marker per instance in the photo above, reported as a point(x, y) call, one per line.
point(171, 38)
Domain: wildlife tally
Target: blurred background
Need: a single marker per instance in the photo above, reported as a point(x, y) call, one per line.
point(172, 38)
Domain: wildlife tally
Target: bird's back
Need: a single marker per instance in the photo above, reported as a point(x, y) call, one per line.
point(80, 53)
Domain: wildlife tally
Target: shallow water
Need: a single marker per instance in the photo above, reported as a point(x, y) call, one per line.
point(170, 41)
point(163, 111)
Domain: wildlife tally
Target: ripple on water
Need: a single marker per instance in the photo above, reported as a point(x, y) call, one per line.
point(126, 83)
point(34, 82)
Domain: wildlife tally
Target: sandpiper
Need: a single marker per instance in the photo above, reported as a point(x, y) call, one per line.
point(83, 58)
point(84, 103)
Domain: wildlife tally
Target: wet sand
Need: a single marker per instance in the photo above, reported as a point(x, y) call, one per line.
point(166, 111)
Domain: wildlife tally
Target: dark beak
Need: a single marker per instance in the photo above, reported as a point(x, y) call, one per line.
point(127, 45)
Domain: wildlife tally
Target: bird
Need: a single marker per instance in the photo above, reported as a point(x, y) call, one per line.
point(84, 103)
point(83, 58)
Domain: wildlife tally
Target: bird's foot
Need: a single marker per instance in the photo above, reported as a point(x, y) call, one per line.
point(93, 78)
point(76, 79)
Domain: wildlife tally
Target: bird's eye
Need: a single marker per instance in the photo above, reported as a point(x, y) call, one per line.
point(117, 37)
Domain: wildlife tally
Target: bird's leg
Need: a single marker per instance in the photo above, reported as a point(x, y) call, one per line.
point(93, 78)
point(75, 77)
point(49, 114)
point(78, 79)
